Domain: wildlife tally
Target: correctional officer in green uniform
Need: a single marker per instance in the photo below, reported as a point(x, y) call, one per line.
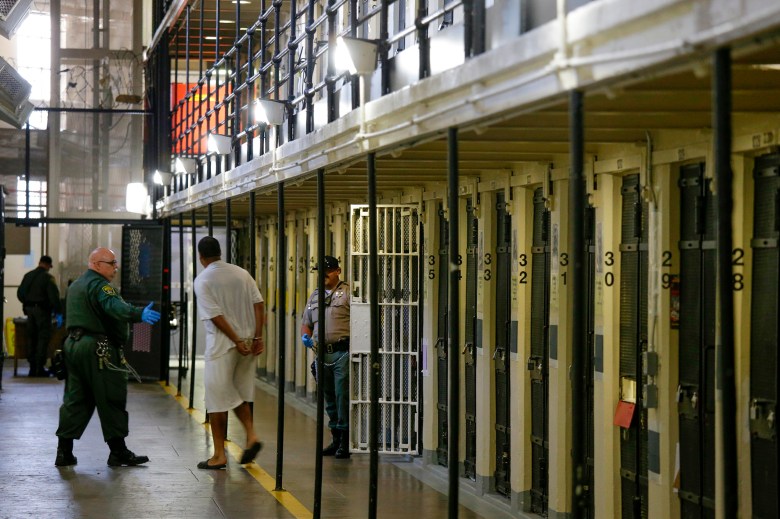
point(40, 297)
point(334, 375)
point(97, 324)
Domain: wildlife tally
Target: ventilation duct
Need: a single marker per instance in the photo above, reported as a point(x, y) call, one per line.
point(12, 14)
point(14, 91)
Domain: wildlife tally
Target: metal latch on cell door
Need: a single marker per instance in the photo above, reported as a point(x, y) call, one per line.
point(535, 367)
point(688, 400)
point(441, 348)
point(468, 351)
point(762, 419)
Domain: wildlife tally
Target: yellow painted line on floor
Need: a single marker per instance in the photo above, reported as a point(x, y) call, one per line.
point(286, 499)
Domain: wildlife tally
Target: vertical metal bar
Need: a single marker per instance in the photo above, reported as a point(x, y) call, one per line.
point(281, 290)
point(453, 332)
point(468, 28)
point(331, 84)
point(310, 62)
point(292, 47)
point(384, 49)
point(373, 296)
point(478, 29)
point(181, 304)
point(252, 235)
point(321, 334)
point(357, 100)
point(725, 341)
point(250, 96)
point(577, 301)
point(210, 219)
point(194, 311)
point(228, 231)
point(424, 41)
point(27, 170)
point(189, 103)
point(263, 71)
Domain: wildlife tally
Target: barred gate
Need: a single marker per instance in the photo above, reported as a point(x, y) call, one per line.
point(398, 231)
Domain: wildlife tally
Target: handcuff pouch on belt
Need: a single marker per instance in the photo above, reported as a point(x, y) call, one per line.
point(103, 352)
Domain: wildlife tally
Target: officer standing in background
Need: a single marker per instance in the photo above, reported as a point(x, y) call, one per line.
point(40, 297)
point(333, 377)
point(97, 324)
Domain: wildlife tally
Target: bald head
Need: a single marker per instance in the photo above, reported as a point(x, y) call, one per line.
point(103, 261)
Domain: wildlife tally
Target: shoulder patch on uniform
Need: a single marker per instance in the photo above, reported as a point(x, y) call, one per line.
point(108, 289)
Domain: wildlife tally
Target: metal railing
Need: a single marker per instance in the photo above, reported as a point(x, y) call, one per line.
point(288, 54)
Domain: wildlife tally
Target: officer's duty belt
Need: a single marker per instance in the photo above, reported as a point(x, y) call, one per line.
point(77, 333)
point(339, 345)
point(36, 305)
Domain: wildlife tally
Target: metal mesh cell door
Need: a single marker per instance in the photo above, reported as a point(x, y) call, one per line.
point(442, 343)
point(764, 336)
point(633, 342)
point(471, 337)
point(142, 283)
point(696, 398)
point(398, 233)
point(539, 360)
point(503, 388)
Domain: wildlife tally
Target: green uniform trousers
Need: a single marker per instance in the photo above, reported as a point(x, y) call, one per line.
point(335, 389)
point(89, 386)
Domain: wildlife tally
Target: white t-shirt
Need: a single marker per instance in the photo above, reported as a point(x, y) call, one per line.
point(227, 290)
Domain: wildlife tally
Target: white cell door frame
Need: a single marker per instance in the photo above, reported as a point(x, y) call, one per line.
point(398, 232)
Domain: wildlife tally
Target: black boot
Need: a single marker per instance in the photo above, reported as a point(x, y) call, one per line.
point(343, 450)
point(65, 456)
point(331, 449)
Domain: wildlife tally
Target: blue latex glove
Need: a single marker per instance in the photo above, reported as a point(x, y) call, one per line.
point(307, 341)
point(59, 320)
point(150, 316)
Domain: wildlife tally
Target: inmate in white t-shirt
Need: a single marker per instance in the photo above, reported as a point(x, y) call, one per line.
point(227, 290)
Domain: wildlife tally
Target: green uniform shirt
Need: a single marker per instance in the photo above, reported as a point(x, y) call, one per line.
point(38, 287)
point(94, 305)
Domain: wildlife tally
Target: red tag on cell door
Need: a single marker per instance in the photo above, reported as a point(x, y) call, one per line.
point(624, 414)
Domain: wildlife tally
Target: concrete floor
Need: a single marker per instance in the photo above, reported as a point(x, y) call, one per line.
point(170, 485)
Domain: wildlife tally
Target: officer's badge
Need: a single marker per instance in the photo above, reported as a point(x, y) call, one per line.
point(109, 290)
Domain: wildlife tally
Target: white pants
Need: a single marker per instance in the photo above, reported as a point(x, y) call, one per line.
point(229, 380)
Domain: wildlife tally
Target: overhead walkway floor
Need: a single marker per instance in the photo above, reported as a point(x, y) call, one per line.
point(170, 485)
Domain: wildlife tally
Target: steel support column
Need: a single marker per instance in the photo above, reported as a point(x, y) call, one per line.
point(321, 333)
point(194, 311)
point(454, 325)
point(721, 122)
point(373, 291)
point(281, 297)
point(577, 301)
point(181, 304)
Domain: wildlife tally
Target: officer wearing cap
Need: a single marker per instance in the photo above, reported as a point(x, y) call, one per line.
point(334, 375)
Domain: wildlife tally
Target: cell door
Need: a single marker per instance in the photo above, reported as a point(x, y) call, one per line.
point(633, 343)
point(503, 333)
point(590, 345)
point(472, 335)
point(696, 390)
point(539, 360)
point(442, 343)
point(398, 233)
point(765, 336)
